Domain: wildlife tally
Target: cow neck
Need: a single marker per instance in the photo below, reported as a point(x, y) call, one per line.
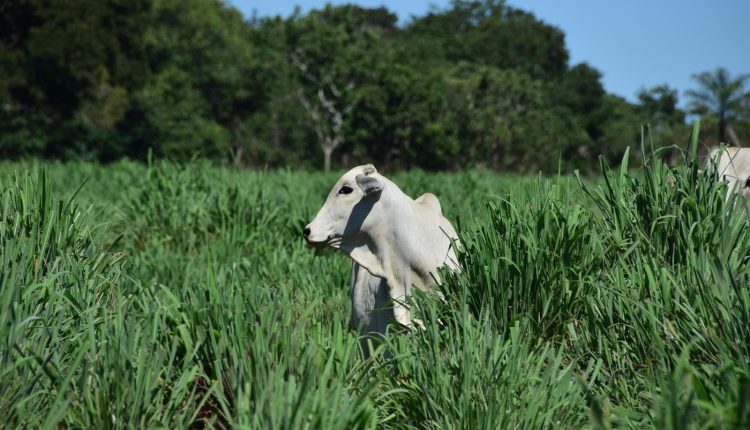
point(371, 251)
point(365, 254)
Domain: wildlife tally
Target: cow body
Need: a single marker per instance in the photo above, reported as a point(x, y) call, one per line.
point(395, 243)
point(732, 166)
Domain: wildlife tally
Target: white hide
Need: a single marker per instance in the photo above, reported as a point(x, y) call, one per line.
point(732, 166)
point(396, 243)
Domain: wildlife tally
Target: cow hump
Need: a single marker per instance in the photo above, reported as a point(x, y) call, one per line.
point(431, 201)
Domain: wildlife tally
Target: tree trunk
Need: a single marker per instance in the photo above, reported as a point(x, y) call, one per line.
point(238, 156)
point(275, 129)
point(722, 129)
point(327, 151)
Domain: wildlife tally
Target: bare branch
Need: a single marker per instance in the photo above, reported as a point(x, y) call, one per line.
point(314, 115)
point(327, 118)
point(302, 67)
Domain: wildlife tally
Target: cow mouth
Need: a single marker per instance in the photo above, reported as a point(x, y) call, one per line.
point(319, 244)
point(332, 241)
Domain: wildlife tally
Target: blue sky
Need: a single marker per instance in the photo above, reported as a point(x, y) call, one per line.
point(634, 43)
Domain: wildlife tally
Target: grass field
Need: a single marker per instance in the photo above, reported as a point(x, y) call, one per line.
point(166, 296)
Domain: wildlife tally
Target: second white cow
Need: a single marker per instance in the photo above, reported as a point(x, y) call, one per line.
point(395, 243)
point(732, 166)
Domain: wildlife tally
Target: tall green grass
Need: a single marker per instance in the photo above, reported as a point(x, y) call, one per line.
point(168, 296)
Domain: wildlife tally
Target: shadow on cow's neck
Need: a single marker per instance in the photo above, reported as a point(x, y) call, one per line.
point(359, 213)
point(359, 244)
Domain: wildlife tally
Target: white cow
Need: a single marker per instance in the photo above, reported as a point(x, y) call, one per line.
point(732, 166)
point(395, 242)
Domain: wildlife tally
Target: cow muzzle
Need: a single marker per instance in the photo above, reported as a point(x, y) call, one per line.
point(312, 240)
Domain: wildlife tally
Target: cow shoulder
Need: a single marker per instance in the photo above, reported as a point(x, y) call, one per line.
point(429, 201)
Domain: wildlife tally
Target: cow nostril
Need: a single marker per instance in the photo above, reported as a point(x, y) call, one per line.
point(306, 232)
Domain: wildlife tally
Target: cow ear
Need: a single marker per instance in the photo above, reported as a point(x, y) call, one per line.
point(369, 185)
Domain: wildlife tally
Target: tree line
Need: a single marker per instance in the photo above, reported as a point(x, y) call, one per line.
point(478, 83)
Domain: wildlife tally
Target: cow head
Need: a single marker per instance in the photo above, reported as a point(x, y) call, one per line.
point(346, 214)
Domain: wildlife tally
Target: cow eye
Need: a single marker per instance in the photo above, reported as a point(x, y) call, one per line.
point(345, 189)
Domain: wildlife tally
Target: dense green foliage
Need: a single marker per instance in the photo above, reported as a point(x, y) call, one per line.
point(478, 84)
point(164, 296)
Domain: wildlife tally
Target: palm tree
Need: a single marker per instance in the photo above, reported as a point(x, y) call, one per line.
point(721, 95)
